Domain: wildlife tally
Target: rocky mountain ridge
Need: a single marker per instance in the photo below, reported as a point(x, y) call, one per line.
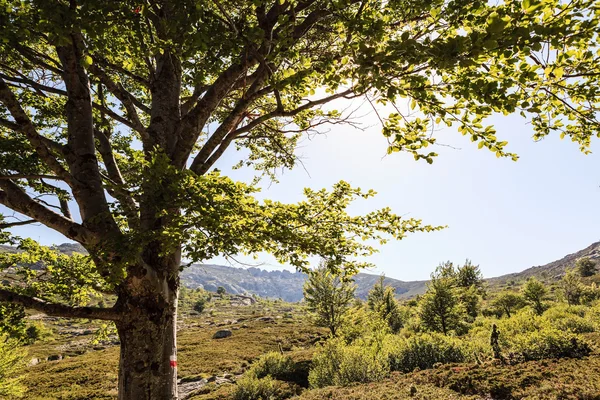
point(288, 285)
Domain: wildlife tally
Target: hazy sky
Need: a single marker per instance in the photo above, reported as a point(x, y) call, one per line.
point(505, 216)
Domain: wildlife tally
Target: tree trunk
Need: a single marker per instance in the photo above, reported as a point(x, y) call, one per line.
point(148, 334)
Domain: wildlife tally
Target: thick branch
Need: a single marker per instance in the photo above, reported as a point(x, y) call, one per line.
point(59, 310)
point(24, 125)
point(88, 191)
point(234, 118)
point(13, 197)
point(192, 124)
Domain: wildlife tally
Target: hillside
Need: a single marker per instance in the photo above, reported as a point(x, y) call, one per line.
point(551, 271)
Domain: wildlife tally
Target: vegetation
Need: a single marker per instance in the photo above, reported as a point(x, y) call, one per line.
point(586, 267)
point(382, 300)
point(328, 297)
point(508, 302)
point(440, 310)
point(11, 364)
point(534, 293)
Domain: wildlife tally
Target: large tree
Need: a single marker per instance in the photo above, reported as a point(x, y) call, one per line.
point(122, 108)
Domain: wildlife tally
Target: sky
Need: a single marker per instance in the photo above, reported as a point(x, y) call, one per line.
point(503, 215)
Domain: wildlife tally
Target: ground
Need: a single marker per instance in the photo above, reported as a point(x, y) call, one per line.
point(208, 368)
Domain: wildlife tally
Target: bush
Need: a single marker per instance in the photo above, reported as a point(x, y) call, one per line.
point(274, 364)
point(362, 364)
point(550, 343)
point(570, 319)
point(11, 361)
point(250, 387)
point(336, 364)
point(200, 304)
point(423, 351)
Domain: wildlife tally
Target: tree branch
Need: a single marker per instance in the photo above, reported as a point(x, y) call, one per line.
point(126, 98)
point(59, 310)
point(114, 173)
point(5, 225)
point(13, 197)
point(29, 176)
point(24, 125)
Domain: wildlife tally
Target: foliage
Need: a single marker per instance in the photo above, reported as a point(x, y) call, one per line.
point(336, 363)
point(11, 361)
point(469, 275)
point(508, 302)
point(550, 343)
point(363, 323)
point(274, 364)
point(193, 299)
point(382, 300)
point(535, 292)
point(252, 388)
point(423, 351)
point(586, 267)
point(440, 310)
point(572, 287)
point(470, 301)
point(12, 320)
point(574, 319)
point(221, 291)
point(328, 297)
point(36, 331)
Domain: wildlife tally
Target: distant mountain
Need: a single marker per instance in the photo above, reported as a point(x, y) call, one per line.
point(278, 284)
point(288, 285)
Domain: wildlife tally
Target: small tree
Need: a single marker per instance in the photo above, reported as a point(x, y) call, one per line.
point(376, 294)
point(586, 267)
point(440, 310)
point(469, 275)
point(382, 300)
point(221, 291)
point(470, 300)
point(535, 293)
point(328, 297)
point(572, 287)
point(507, 302)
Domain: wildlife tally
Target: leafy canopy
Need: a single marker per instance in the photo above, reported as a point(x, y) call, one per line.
point(125, 107)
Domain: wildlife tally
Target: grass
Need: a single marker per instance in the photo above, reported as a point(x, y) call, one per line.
point(93, 374)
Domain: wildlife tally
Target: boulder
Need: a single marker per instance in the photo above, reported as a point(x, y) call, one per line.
point(223, 333)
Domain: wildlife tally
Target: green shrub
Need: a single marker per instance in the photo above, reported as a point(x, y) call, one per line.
point(250, 387)
point(11, 361)
point(549, 343)
point(273, 363)
point(423, 351)
point(362, 364)
point(200, 304)
point(571, 319)
point(35, 332)
point(337, 364)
